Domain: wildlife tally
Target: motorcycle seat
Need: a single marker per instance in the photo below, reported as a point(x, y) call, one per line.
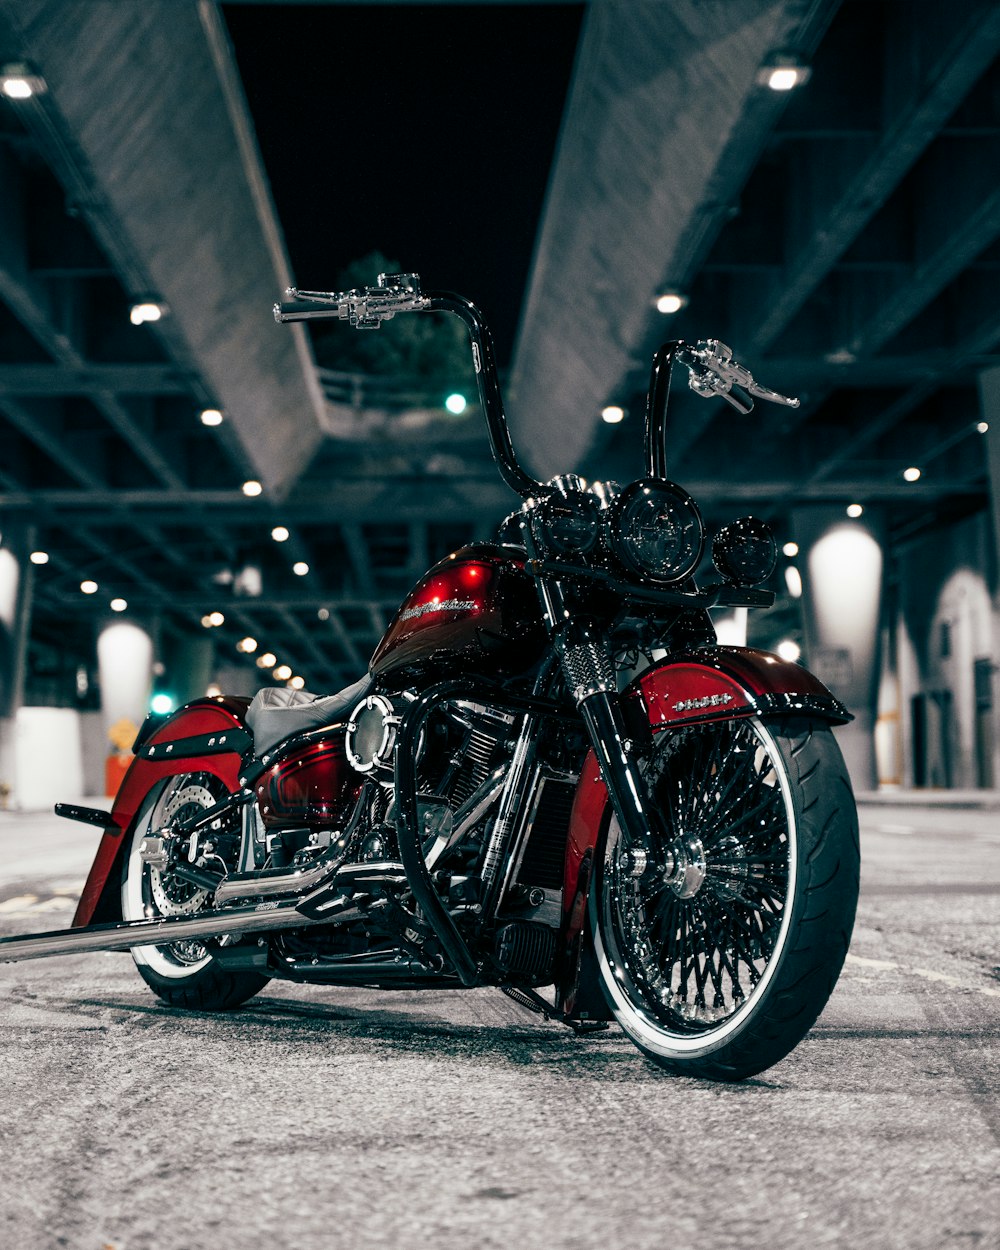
point(278, 712)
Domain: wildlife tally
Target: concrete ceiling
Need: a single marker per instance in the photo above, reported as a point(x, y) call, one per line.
point(844, 239)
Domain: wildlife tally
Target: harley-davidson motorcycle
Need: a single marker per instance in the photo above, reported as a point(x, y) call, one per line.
point(552, 780)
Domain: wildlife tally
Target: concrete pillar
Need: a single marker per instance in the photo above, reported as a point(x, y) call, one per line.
point(989, 697)
point(841, 611)
point(16, 582)
point(125, 666)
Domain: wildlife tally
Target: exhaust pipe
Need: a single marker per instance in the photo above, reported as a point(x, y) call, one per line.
point(328, 904)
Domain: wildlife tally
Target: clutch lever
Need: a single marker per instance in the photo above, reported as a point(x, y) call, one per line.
point(713, 372)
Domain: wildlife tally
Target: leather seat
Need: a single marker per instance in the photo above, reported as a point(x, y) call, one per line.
point(277, 712)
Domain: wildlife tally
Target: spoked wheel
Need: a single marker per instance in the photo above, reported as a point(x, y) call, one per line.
point(183, 974)
point(720, 972)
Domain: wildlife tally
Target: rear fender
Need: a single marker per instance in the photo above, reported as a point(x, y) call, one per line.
point(201, 720)
point(693, 687)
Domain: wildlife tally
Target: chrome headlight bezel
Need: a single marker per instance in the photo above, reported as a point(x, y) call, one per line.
point(657, 531)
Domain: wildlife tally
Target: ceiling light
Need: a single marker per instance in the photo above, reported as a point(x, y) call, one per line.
point(854, 509)
point(216, 618)
point(456, 404)
point(213, 691)
point(161, 703)
point(789, 650)
point(279, 534)
point(793, 580)
point(982, 426)
point(118, 605)
point(297, 683)
point(210, 416)
point(39, 557)
point(671, 302)
point(282, 672)
point(323, 614)
point(791, 549)
point(145, 310)
point(252, 488)
point(783, 74)
point(266, 660)
point(88, 587)
point(19, 81)
point(912, 474)
point(247, 645)
point(300, 568)
point(612, 414)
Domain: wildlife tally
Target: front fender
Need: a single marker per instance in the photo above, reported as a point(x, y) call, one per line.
point(692, 687)
point(100, 898)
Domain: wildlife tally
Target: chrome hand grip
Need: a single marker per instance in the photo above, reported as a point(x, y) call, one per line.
point(714, 372)
point(364, 307)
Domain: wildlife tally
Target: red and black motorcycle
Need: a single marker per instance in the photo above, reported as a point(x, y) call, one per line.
point(551, 780)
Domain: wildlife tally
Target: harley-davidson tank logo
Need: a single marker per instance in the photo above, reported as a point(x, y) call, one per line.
point(708, 700)
point(445, 605)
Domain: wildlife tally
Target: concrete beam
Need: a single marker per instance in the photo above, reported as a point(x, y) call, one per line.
point(146, 103)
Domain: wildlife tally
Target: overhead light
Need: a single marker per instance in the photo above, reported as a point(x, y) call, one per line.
point(145, 310)
point(912, 474)
point(854, 510)
point(247, 645)
point(300, 568)
point(213, 691)
point(456, 404)
point(266, 660)
point(20, 81)
point(161, 703)
point(791, 549)
point(793, 580)
point(282, 672)
point(612, 414)
point(252, 488)
point(789, 650)
point(89, 587)
point(39, 557)
point(210, 416)
point(323, 614)
point(671, 302)
point(279, 534)
point(784, 73)
point(297, 683)
point(982, 426)
point(216, 618)
point(118, 605)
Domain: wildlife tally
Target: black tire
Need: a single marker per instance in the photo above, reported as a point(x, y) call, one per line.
point(182, 974)
point(725, 982)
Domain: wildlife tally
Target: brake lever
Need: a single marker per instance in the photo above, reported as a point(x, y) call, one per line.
point(364, 307)
point(713, 372)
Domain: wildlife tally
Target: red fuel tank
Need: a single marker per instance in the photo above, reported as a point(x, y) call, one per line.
point(475, 612)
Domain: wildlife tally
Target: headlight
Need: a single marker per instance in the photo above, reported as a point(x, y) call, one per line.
point(744, 551)
point(657, 531)
point(568, 524)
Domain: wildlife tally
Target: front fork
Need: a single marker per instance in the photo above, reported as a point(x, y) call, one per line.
point(590, 678)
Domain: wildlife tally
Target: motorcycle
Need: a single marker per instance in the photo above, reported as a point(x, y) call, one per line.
point(552, 779)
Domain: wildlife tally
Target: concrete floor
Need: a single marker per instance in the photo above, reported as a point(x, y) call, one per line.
point(328, 1118)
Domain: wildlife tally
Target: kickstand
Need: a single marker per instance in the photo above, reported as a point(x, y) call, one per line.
point(534, 1002)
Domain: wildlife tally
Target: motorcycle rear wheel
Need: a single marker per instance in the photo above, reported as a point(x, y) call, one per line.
point(724, 978)
point(182, 974)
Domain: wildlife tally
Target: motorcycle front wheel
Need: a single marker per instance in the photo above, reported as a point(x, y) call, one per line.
point(721, 974)
point(182, 974)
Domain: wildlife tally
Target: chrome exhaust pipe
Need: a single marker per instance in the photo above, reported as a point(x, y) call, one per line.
point(159, 931)
point(329, 904)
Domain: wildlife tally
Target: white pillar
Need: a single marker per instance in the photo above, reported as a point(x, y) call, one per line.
point(16, 583)
point(125, 665)
point(841, 607)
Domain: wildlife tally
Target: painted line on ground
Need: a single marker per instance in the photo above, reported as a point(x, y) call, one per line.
point(888, 965)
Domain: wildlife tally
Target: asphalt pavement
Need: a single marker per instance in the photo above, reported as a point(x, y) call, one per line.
point(319, 1118)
